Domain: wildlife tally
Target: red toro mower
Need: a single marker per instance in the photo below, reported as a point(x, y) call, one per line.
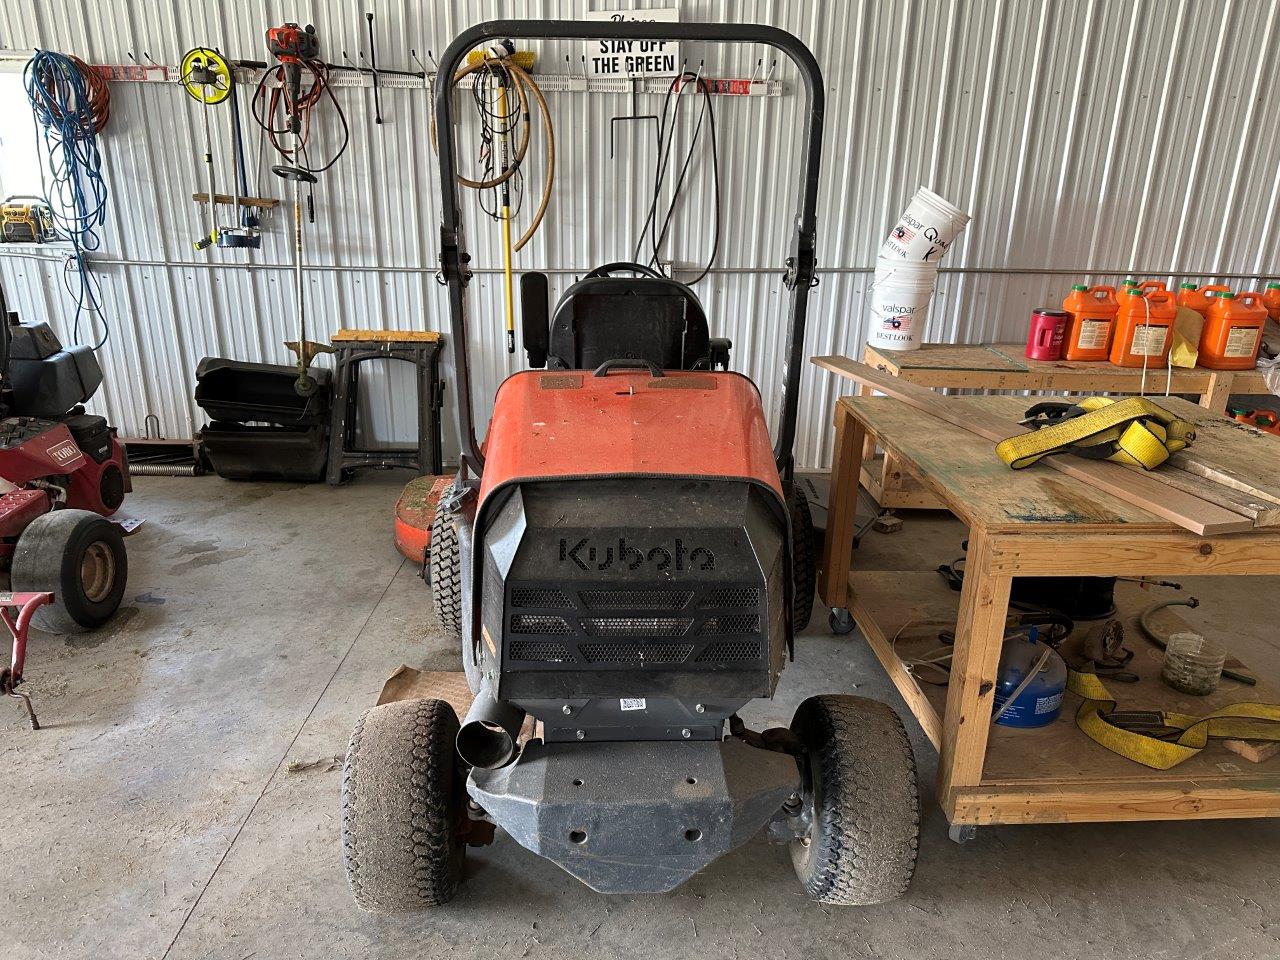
point(627, 560)
point(62, 473)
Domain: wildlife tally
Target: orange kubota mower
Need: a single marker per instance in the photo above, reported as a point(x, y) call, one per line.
point(627, 560)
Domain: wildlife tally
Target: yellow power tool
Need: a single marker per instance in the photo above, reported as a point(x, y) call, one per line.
point(26, 220)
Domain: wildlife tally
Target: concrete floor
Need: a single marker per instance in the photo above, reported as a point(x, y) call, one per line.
point(156, 816)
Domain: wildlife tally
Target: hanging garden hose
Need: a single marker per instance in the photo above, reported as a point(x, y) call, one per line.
point(70, 105)
point(506, 69)
point(98, 94)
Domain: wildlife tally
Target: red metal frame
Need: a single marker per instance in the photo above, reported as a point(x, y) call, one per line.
point(26, 604)
point(52, 452)
point(17, 509)
point(49, 455)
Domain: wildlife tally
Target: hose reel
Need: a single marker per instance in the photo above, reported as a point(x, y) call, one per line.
point(206, 75)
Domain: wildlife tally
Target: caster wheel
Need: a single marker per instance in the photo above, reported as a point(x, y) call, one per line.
point(840, 621)
point(961, 832)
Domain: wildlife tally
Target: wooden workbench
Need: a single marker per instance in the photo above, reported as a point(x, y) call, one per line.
point(1004, 366)
point(1036, 522)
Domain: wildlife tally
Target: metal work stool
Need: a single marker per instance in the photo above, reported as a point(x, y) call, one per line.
point(351, 349)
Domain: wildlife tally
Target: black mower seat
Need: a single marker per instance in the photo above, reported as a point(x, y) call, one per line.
point(604, 317)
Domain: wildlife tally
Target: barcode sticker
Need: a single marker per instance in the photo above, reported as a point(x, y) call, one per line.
point(632, 704)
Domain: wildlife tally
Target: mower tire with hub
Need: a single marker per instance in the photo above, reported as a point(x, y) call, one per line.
point(861, 810)
point(804, 573)
point(403, 806)
point(79, 557)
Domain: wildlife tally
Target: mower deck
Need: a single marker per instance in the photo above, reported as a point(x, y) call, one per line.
point(636, 817)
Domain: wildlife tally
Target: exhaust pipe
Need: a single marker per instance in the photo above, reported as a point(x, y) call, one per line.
point(488, 736)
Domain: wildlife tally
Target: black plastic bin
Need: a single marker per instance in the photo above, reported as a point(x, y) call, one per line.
point(237, 451)
point(234, 391)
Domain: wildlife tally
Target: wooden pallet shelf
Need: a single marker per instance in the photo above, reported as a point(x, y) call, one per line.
point(1055, 774)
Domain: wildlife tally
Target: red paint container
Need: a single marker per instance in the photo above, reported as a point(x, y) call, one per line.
point(1044, 339)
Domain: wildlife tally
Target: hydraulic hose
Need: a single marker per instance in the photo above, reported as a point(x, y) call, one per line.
point(525, 86)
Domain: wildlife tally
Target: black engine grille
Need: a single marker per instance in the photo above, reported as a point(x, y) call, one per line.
point(645, 626)
point(635, 599)
point(636, 654)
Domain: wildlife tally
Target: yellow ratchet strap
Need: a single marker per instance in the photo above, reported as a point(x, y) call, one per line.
point(1161, 739)
point(1133, 431)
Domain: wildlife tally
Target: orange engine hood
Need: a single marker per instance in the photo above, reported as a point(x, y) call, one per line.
point(572, 424)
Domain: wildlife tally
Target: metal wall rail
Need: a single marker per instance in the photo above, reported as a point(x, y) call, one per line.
point(58, 256)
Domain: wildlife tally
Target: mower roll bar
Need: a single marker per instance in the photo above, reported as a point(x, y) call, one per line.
point(799, 273)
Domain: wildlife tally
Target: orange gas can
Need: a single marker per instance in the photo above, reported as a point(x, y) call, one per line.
point(1130, 287)
point(1271, 298)
point(1199, 298)
point(1233, 332)
point(1126, 290)
point(1091, 316)
point(1141, 336)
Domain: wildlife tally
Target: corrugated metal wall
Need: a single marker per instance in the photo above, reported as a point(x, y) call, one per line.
point(1100, 136)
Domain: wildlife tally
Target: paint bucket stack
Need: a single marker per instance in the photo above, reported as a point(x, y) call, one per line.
point(907, 270)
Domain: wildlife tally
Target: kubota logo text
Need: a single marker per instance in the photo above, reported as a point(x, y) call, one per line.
point(588, 556)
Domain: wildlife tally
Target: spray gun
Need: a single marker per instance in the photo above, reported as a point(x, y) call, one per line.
point(291, 45)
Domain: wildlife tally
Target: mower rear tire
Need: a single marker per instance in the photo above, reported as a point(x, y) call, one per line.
point(444, 566)
point(804, 574)
point(861, 799)
point(80, 558)
point(403, 803)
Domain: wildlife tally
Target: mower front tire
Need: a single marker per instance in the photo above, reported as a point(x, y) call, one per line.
point(80, 558)
point(403, 800)
point(444, 566)
point(860, 800)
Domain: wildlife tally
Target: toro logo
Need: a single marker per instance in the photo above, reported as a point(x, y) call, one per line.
point(64, 453)
point(588, 556)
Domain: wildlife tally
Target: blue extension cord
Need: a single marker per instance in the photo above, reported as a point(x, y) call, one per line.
point(73, 183)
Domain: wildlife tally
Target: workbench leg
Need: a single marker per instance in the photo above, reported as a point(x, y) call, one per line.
point(984, 605)
point(1215, 397)
point(869, 442)
point(842, 510)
